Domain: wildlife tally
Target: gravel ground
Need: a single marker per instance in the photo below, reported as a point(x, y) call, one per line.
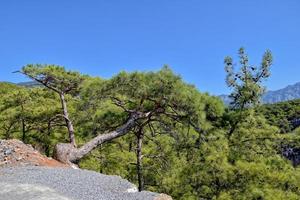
point(33, 183)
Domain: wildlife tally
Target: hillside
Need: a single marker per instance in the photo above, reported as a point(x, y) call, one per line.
point(14, 153)
point(29, 84)
point(285, 115)
point(290, 92)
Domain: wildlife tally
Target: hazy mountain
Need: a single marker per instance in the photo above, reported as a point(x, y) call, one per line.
point(288, 93)
point(29, 84)
point(225, 98)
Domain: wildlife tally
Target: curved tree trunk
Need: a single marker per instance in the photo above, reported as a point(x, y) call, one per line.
point(67, 153)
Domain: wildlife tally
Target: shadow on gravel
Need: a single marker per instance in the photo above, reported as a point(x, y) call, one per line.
point(28, 192)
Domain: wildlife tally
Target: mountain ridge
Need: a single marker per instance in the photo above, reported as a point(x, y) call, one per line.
point(287, 93)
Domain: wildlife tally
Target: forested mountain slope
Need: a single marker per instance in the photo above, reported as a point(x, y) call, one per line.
point(285, 115)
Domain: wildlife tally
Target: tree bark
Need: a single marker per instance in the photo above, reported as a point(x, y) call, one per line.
point(7, 131)
point(67, 119)
point(23, 131)
point(68, 154)
point(47, 144)
point(139, 165)
point(23, 124)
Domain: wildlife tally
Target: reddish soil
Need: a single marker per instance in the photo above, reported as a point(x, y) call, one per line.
point(16, 153)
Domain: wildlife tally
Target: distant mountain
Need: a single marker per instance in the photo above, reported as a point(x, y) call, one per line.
point(225, 98)
point(29, 84)
point(290, 92)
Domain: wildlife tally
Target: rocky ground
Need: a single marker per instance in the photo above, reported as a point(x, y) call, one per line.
point(15, 153)
point(26, 174)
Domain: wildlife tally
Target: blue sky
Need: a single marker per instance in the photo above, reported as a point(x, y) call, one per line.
point(101, 38)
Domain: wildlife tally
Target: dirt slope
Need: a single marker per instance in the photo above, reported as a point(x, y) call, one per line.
point(15, 153)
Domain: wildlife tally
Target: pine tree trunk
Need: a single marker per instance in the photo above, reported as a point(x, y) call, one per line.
point(23, 131)
point(139, 165)
point(67, 119)
point(23, 125)
point(67, 153)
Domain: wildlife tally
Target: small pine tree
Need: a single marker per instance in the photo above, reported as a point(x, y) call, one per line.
point(246, 83)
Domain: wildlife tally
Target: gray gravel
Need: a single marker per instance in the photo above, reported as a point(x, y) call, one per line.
point(32, 183)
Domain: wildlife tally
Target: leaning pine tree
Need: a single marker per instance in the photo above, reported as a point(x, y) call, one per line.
point(144, 97)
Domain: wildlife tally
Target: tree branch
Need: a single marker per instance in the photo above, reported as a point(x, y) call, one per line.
point(39, 81)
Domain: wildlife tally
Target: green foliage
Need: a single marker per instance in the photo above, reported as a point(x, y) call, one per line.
point(187, 151)
point(54, 77)
point(29, 114)
point(247, 82)
point(282, 114)
point(246, 166)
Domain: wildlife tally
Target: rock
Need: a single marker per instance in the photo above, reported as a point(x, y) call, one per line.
point(7, 151)
point(163, 197)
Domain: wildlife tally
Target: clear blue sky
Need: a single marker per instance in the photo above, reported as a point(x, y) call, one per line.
point(102, 37)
